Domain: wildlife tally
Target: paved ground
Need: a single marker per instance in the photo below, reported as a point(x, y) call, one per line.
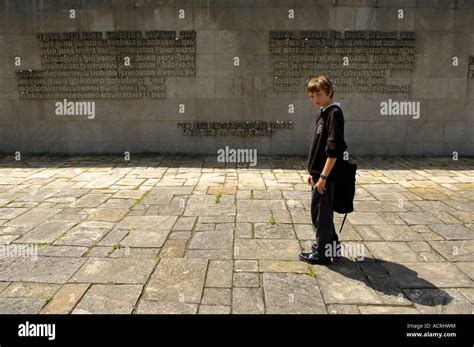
point(182, 235)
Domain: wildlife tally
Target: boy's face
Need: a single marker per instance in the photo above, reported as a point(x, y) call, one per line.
point(319, 98)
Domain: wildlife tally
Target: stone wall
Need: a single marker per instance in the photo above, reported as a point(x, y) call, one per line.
point(240, 61)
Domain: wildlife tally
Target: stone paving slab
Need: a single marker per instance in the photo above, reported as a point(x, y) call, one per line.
point(109, 299)
point(292, 293)
point(455, 250)
point(115, 270)
point(21, 305)
point(387, 310)
point(247, 301)
point(212, 240)
point(219, 274)
point(177, 280)
point(47, 232)
point(33, 217)
point(344, 283)
point(65, 299)
point(183, 235)
point(29, 290)
point(85, 234)
point(266, 249)
point(214, 309)
point(42, 269)
point(277, 231)
point(156, 307)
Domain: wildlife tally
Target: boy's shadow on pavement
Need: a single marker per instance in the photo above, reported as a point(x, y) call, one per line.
point(392, 279)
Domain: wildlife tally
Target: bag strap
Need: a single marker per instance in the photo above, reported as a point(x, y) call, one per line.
point(342, 223)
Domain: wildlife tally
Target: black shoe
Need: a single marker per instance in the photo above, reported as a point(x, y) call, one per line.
point(314, 248)
point(314, 258)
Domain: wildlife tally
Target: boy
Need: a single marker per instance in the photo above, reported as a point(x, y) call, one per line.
point(325, 154)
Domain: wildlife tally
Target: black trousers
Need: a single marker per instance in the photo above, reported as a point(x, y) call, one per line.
point(322, 216)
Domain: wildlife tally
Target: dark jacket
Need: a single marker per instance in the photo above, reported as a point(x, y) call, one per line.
point(328, 141)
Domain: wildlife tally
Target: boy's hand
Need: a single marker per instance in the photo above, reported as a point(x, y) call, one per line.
point(308, 179)
point(321, 186)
